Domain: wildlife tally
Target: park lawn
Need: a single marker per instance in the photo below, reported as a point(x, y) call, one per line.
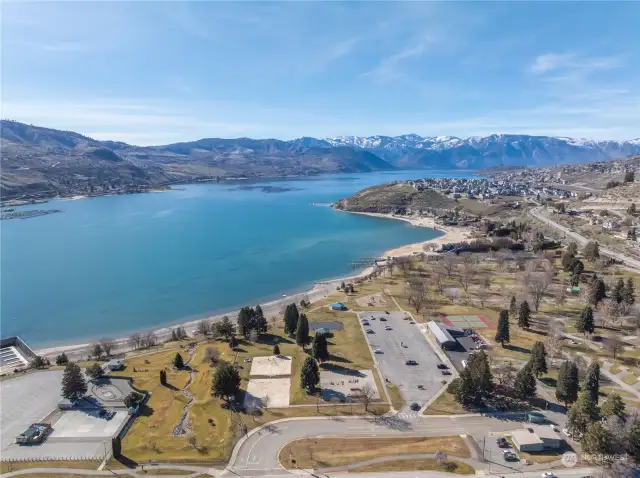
point(427, 464)
point(7, 467)
point(335, 451)
point(396, 396)
point(445, 404)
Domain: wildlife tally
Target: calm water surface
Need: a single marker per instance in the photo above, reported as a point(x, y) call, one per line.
point(111, 265)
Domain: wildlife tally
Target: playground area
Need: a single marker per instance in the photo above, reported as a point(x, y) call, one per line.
point(372, 300)
point(468, 321)
point(338, 386)
point(271, 366)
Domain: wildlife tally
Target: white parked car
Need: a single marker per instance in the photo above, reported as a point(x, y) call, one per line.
point(377, 351)
point(548, 474)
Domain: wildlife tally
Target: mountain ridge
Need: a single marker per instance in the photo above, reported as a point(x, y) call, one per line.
point(46, 161)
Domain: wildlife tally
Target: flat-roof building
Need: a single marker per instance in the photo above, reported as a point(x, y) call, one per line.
point(442, 335)
point(14, 354)
point(536, 438)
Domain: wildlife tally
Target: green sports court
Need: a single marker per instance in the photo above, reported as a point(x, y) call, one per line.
point(468, 321)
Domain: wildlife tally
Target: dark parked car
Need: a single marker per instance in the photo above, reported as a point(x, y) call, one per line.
point(382, 319)
point(502, 442)
point(446, 372)
point(415, 407)
point(442, 366)
point(411, 362)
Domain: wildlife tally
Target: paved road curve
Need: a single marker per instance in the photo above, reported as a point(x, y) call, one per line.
point(258, 453)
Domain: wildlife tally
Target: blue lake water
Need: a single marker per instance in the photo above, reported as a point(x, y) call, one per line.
point(110, 265)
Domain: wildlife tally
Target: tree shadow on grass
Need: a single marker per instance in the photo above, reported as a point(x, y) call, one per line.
point(517, 348)
point(271, 339)
point(145, 411)
point(549, 381)
point(332, 367)
point(337, 359)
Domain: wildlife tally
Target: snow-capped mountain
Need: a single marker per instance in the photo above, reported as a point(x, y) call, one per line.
point(413, 151)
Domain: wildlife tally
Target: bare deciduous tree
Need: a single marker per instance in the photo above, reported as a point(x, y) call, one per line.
point(438, 280)
point(613, 345)
point(203, 328)
point(212, 355)
point(553, 344)
point(505, 375)
point(449, 262)
point(135, 340)
point(149, 340)
point(417, 294)
point(107, 346)
point(467, 273)
point(452, 295)
point(537, 285)
point(367, 394)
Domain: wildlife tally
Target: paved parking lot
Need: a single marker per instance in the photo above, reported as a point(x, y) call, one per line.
point(494, 454)
point(404, 342)
point(461, 352)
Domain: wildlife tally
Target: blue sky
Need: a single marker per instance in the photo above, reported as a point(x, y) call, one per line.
point(160, 72)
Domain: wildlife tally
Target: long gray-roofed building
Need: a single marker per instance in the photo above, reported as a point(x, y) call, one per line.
point(442, 334)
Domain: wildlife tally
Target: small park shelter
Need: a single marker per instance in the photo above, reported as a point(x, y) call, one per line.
point(338, 306)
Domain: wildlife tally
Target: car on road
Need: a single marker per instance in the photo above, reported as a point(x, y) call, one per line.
point(442, 366)
point(370, 331)
point(548, 474)
point(411, 322)
point(382, 319)
point(377, 351)
point(387, 327)
point(415, 407)
point(411, 362)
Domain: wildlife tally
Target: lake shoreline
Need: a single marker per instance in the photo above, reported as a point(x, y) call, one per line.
point(320, 290)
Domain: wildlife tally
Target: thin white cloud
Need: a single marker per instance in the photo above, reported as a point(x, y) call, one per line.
point(571, 62)
point(389, 67)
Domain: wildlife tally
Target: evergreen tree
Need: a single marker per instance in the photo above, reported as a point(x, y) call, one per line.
point(225, 328)
point(576, 272)
point(320, 349)
point(276, 349)
point(74, 386)
point(62, 359)
point(597, 440)
point(513, 306)
point(226, 381)
point(592, 381)
point(524, 314)
point(597, 292)
point(302, 331)
point(618, 291)
point(502, 333)
point(581, 413)
point(524, 385)
point(585, 322)
point(178, 361)
point(481, 378)
point(629, 295)
point(310, 375)
point(163, 377)
point(567, 383)
point(592, 251)
point(613, 406)
point(464, 391)
point(633, 441)
point(244, 321)
point(260, 321)
point(291, 316)
point(538, 359)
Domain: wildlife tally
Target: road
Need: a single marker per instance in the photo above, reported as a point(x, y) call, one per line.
point(258, 454)
point(404, 342)
point(628, 261)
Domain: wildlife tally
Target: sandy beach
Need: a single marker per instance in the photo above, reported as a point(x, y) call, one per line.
point(318, 292)
point(449, 234)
